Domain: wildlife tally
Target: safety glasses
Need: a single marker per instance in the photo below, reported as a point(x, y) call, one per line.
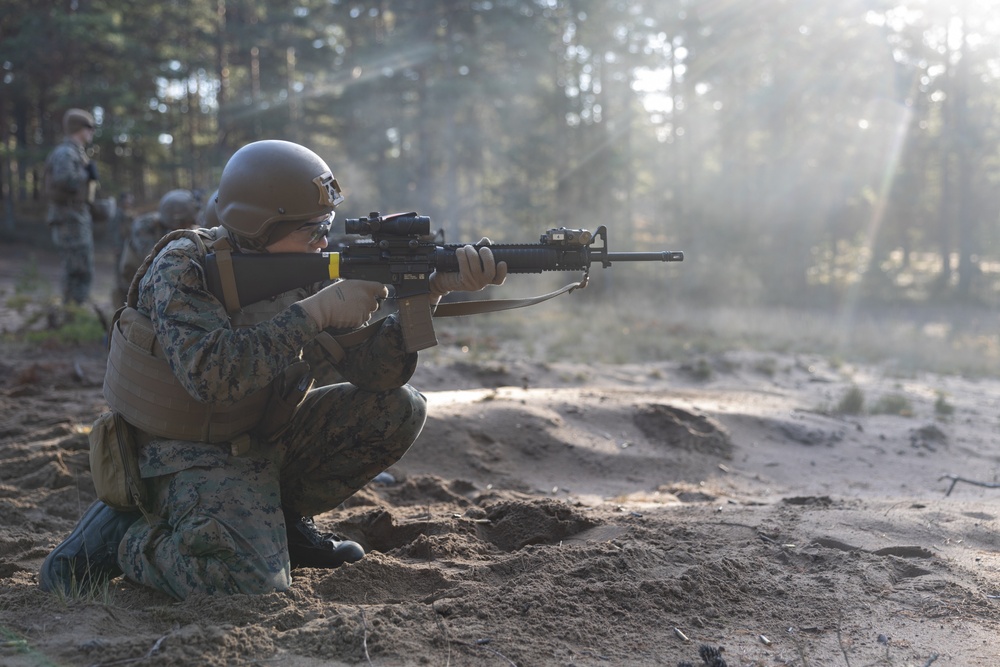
point(318, 229)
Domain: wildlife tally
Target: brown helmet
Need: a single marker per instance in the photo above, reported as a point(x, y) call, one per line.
point(75, 120)
point(268, 183)
point(178, 209)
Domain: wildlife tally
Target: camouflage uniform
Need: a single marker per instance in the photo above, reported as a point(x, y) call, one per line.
point(218, 524)
point(146, 230)
point(69, 218)
point(121, 225)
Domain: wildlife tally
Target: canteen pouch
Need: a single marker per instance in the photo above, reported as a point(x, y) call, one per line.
point(114, 463)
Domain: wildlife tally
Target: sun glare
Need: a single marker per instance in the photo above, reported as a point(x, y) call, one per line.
point(653, 85)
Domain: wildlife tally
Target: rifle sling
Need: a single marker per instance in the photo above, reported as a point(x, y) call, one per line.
point(458, 308)
point(227, 277)
point(334, 345)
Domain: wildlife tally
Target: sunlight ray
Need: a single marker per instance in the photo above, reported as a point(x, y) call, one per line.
point(848, 307)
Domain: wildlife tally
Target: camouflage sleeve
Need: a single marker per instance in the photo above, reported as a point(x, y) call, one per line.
point(320, 364)
point(69, 174)
point(213, 361)
point(146, 231)
point(134, 250)
point(381, 362)
point(128, 264)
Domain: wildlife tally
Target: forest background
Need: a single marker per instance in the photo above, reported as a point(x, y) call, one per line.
point(836, 156)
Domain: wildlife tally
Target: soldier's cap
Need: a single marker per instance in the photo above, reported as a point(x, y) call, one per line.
point(75, 120)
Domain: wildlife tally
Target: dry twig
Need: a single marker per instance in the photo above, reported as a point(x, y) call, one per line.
point(499, 654)
point(364, 638)
point(955, 479)
point(840, 637)
point(125, 661)
point(447, 640)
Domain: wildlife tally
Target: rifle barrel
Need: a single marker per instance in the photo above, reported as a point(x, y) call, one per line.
point(659, 256)
point(537, 258)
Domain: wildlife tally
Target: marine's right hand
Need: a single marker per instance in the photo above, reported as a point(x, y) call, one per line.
point(346, 304)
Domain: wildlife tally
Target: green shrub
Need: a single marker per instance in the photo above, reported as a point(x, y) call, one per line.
point(852, 402)
point(893, 404)
point(73, 325)
point(942, 408)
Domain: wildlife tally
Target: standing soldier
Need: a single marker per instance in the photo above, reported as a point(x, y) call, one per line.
point(178, 210)
point(70, 186)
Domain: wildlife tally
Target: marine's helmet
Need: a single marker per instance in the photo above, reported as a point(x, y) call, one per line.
point(77, 119)
point(178, 209)
point(269, 188)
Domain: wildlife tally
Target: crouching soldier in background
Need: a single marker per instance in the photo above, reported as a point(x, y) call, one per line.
point(237, 449)
point(178, 210)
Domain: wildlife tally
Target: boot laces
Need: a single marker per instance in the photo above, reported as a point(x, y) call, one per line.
point(307, 527)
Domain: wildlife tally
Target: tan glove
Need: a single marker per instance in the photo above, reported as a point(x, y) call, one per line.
point(476, 270)
point(346, 304)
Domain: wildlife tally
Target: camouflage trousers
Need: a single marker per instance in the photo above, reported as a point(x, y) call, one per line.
point(73, 237)
point(219, 526)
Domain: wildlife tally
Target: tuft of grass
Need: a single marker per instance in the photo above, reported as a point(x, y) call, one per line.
point(942, 408)
point(852, 402)
point(767, 366)
point(72, 324)
point(699, 369)
point(98, 589)
point(18, 302)
point(31, 280)
point(893, 404)
point(30, 288)
point(13, 641)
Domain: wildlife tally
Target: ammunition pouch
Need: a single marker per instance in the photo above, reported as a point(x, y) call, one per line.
point(114, 463)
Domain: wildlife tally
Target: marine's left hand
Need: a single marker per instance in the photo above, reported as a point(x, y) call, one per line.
point(476, 270)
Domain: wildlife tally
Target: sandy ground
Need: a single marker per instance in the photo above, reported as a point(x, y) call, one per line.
point(567, 514)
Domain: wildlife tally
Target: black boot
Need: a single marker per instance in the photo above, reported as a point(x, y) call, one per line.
point(307, 547)
point(89, 556)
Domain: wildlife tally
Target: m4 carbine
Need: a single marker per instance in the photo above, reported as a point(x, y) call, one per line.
point(402, 254)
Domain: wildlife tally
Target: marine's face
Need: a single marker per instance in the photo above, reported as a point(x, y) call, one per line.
point(310, 237)
point(84, 136)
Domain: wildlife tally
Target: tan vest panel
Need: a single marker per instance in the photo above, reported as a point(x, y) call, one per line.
point(140, 385)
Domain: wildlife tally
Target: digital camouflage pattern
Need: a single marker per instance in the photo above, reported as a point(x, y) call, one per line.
point(218, 524)
point(68, 217)
point(143, 234)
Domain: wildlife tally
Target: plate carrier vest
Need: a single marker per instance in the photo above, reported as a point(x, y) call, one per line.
point(139, 383)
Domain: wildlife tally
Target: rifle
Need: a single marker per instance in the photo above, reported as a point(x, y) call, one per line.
point(402, 254)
